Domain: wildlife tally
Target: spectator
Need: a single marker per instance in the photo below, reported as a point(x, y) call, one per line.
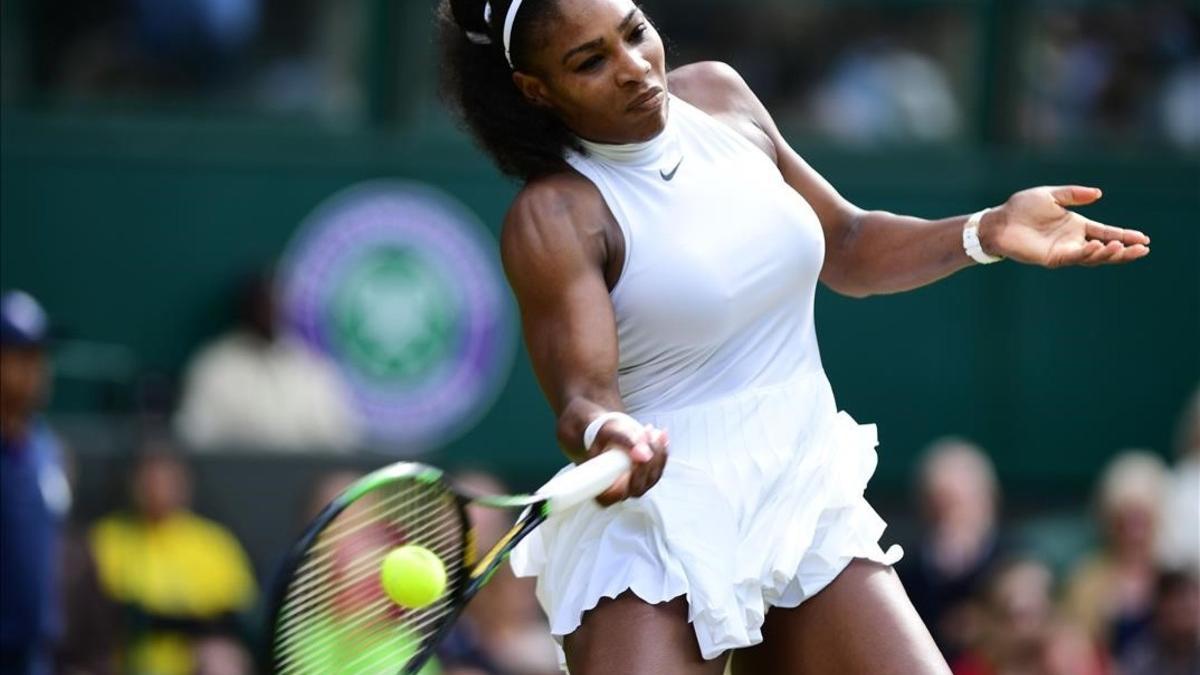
point(1179, 546)
point(958, 497)
point(34, 496)
point(1181, 106)
point(883, 93)
point(180, 578)
point(1068, 650)
point(1110, 593)
point(1020, 634)
point(1173, 645)
point(259, 387)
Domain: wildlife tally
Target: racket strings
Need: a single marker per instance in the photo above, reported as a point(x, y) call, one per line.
point(360, 572)
point(362, 567)
point(335, 617)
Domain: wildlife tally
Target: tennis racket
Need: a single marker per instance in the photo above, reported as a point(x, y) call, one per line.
point(330, 613)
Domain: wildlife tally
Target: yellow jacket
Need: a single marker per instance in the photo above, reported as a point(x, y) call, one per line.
point(184, 567)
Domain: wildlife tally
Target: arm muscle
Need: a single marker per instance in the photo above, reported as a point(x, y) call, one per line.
point(553, 249)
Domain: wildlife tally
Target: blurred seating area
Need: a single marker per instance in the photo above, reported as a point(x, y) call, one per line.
point(1126, 601)
point(1031, 72)
point(268, 55)
point(165, 554)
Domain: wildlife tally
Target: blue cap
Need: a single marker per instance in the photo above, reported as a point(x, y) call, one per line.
point(23, 322)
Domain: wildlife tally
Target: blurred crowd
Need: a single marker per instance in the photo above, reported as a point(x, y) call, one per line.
point(859, 74)
point(156, 588)
point(1128, 73)
point(1115, 72)
point(1128, 606)
point(280, 56)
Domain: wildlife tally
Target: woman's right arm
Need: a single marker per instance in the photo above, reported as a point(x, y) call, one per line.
point(554, 247)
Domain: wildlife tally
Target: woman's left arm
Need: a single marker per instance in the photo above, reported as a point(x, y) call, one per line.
point(872, 252)
point(875, 252)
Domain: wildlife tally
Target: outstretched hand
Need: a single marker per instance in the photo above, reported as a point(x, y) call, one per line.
point(1036, 227)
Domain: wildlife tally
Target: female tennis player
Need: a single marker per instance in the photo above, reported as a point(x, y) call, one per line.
point(665, 250)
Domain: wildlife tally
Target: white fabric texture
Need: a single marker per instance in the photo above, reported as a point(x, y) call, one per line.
point(761, 502)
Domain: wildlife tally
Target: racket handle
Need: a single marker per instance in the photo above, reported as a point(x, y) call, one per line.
point(585, 481)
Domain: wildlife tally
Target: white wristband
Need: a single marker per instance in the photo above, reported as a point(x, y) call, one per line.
point(593, 428)
point(970, 240)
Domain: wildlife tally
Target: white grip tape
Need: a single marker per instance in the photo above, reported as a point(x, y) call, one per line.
point(593, 428)
point(586, 480)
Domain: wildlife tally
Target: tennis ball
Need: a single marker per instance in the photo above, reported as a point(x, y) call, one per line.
point(413, 576)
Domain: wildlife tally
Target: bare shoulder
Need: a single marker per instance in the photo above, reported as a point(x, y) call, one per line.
point(714, 87)
point(719, 90)
point(555, 221)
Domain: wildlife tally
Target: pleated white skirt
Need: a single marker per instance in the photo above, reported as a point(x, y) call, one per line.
point(760, 505)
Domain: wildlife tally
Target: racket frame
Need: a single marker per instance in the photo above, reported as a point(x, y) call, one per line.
point(566, 490)
point(300, 551)
point(476, 572)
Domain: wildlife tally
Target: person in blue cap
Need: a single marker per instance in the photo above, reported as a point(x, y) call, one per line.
point(34, 496)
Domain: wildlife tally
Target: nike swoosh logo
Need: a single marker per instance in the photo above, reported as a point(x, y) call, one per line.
point(668, 176)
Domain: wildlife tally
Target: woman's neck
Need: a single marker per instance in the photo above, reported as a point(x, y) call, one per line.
point(635, 154)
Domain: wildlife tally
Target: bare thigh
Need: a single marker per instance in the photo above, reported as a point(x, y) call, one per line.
point(629, 636)
point(860, 624)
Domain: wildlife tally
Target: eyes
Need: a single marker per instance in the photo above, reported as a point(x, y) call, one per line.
point(593, 62)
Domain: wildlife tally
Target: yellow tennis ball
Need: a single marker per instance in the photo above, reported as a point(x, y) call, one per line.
point(413, 576)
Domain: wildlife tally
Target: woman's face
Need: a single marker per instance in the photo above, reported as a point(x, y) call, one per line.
point(599, 66)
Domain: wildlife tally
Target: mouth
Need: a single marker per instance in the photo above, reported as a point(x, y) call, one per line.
point(647, 101)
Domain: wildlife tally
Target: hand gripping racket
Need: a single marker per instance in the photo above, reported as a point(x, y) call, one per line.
point(330, 613)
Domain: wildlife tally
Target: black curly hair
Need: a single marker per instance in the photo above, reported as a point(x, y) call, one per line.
point(524, 140)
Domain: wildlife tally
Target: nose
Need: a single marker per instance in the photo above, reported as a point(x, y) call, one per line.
point(632, 67)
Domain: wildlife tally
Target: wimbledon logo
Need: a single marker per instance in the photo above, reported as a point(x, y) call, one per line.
point(400, 285)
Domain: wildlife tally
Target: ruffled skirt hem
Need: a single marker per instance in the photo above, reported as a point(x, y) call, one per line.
point(760, 505)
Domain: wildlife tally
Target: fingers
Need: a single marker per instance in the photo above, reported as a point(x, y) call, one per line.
point(1101, 253)
point(1112, 253)
point(1126, 254)
point(1080, 256)
point(1075, 195)
point(619, 491)
point(1110, 245)
point(647, 447)
point(1094, 230)
point(626, 435)
point(646, 475)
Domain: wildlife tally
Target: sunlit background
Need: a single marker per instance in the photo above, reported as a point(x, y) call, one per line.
point(219, 203)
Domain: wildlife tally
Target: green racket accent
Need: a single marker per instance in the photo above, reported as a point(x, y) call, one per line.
point(376, 479)
point(504, 501)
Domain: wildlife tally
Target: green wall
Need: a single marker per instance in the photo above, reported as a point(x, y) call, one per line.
point(130, 231)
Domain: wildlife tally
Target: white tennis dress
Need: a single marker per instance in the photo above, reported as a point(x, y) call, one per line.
point(761, 502)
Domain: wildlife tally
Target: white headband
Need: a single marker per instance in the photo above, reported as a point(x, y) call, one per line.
point(509, 20)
